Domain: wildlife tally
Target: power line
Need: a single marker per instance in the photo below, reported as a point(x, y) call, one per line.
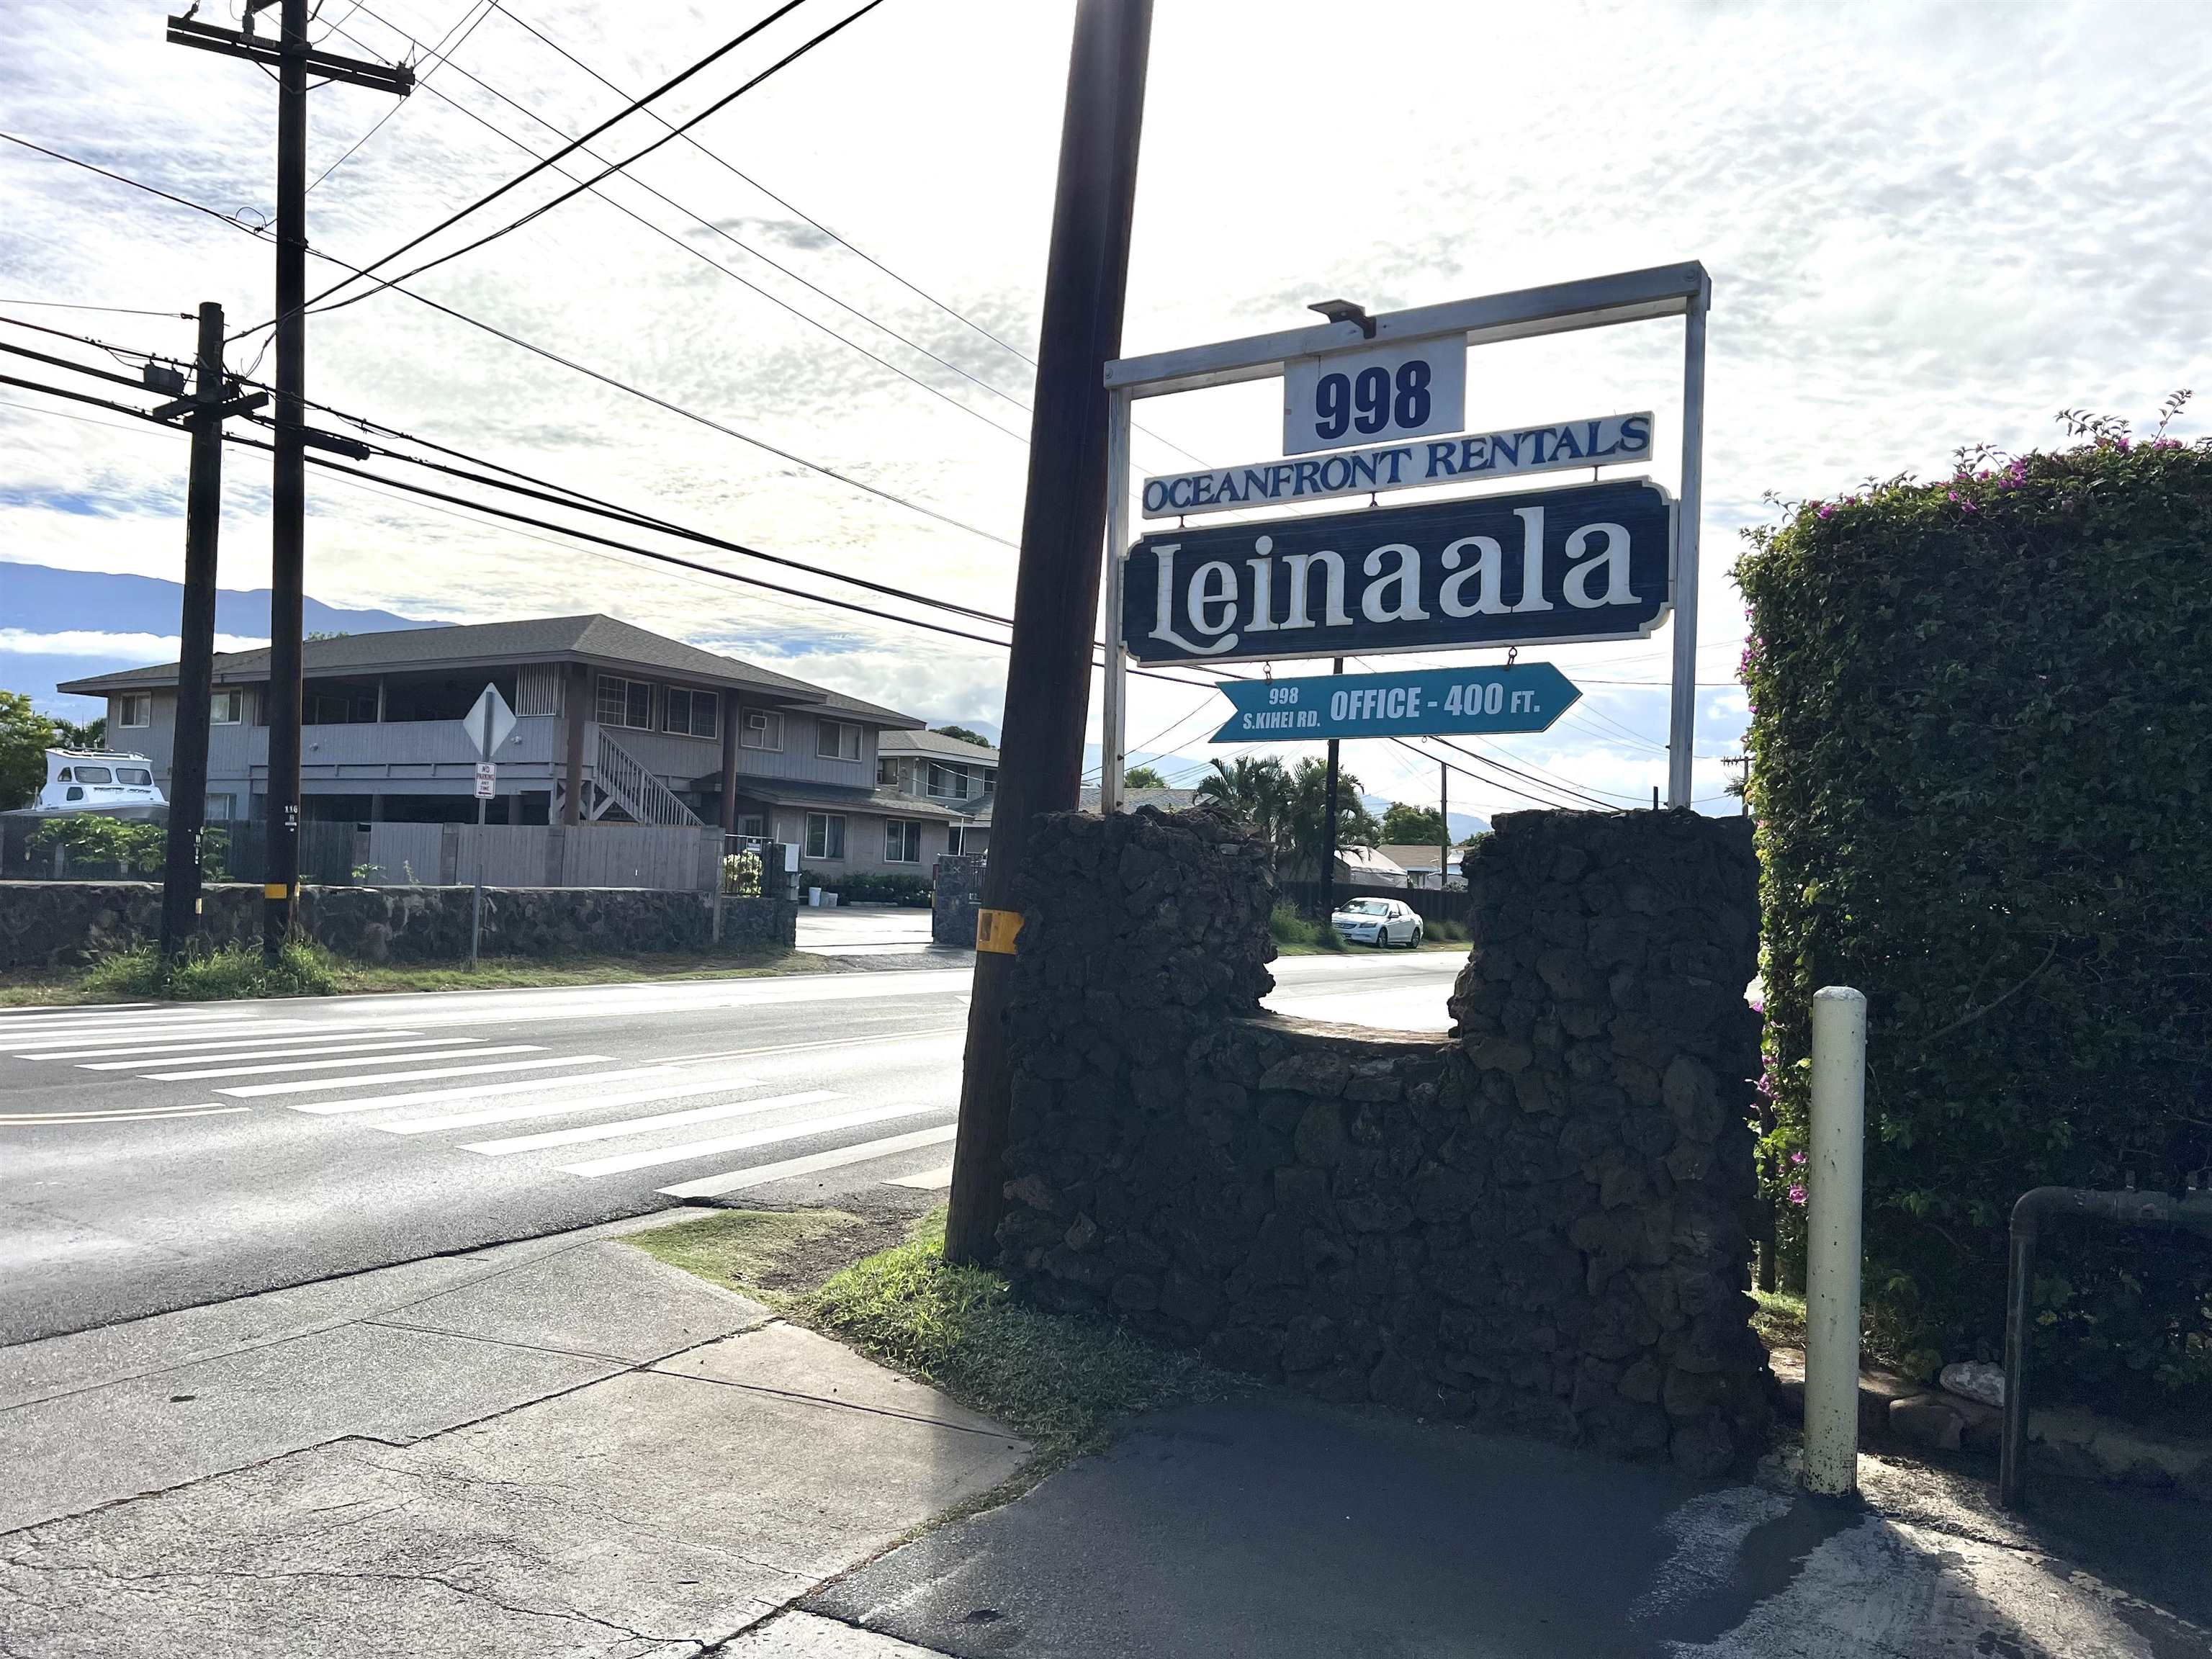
point(604, 379)
point(716, 265)
point(610, 171)
point(422, 80)
point(790, 206)
point(635, 104)
point(120, 311)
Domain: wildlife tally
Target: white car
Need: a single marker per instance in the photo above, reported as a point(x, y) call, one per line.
point(97, 780)
point(1378, 922)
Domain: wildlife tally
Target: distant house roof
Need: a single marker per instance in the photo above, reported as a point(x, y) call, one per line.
point(1413, 855)
point(936, 744)
point(831, 797)
point(1369, 862)
point(599, 640)
point(1167, 800)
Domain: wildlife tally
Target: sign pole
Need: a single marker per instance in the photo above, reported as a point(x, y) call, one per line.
point(1057, 582)
point(1443, 816)
point(1682, 715)
point(1113, 724)
point(1329, 829)
point(475, 911)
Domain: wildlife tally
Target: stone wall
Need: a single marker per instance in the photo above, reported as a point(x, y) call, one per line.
point(955, 894)
point(65, 923)
point(1537, 1224)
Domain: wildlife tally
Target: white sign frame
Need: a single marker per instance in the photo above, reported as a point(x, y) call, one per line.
point(1682, 290)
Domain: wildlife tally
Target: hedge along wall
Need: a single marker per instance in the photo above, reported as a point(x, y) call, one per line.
point(1982, 766)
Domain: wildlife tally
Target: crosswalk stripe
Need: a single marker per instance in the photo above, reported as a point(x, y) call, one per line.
point(639, 1126)
point(260, 1090)
point(929, 1181)
point(760, 1174)
point(121, 1116)
point(303, 1051)
point(820, 1126)
point(50, 1036)
point(475, 1092)
point(687, 1085)
point(35, 1012)
point(120, 1046)
point(350, 1059)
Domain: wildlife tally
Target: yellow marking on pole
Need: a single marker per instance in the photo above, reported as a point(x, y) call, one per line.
point(996, 930)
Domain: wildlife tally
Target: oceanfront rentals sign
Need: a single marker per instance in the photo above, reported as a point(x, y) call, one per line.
point(1466, 458)
point(1590, 561)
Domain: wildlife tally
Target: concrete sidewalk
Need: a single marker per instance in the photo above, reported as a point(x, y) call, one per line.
point(562, 1447)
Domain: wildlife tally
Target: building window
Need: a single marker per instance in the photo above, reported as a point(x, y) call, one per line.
point(763, 729)
point(226, 709)
point(218, 809)
point(691, 713)
point(901, 840)
point(990, 780)
point(952, 840)
point(752, 825)
point(825, 835)
point(625, 702)
point(948, 782)
point(836, 740)
point(887, 772)
point(137, 708)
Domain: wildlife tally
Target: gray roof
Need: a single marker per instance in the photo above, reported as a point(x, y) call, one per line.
point(597, 640)
point(937, 744)
point(832, 798)
point(978, 810)
point(1417, 855)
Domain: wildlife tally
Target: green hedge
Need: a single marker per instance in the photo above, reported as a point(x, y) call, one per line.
point(1982, 766)
point(869, 887)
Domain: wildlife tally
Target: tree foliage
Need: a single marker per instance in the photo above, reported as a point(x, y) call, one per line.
point(1406, 825)
point(964, 735)
point(1290, 809)
point(1143, 777)
point(1982, 767)
point(25, 736)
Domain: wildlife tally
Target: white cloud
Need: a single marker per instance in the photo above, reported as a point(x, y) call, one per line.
point(90, 642)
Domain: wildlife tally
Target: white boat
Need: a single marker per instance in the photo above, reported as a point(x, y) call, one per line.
point(98, 780)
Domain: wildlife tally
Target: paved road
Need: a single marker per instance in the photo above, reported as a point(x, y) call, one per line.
point(160, 1156)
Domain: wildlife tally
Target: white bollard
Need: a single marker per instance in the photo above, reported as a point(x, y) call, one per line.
point(1836, 1171)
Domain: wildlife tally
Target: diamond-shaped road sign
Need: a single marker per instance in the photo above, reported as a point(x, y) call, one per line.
point(489, 721)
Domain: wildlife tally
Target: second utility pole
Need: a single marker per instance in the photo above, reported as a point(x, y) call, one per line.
point(288, 502)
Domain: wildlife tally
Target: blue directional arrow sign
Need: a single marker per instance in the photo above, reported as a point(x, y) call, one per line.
point(1526, 698)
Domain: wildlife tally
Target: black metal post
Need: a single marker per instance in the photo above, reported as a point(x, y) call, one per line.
point(1056, 584)
point(1328, 828)
point(181, 874)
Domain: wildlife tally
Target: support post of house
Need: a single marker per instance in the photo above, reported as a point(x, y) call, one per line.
point(729, 767)
point(579, 702)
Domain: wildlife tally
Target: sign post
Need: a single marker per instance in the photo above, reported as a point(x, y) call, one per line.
point(488, 724)
point(1377, 403)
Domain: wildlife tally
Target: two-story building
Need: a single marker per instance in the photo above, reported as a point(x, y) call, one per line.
point(952, 772)
point(614, 724)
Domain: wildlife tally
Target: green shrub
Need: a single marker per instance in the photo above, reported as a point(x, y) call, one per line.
point(871, 887)
point(94, 839)
point(303, 970)
point(741, 875)
point(1289, 927)
point(1982, 772)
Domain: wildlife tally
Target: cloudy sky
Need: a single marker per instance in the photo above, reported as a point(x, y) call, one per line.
point(1926, 227)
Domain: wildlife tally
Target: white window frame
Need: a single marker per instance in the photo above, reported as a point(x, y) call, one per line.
point(825, 820)
point(623, 722)
point(142, 701)
point(913, 827)
point(832, 732)
point(691, 705)
point(765, 723)
point(231, 695)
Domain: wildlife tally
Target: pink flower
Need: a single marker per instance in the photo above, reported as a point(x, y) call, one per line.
point(1798, 1193)
point(1798, 1157)
point(1828, 511)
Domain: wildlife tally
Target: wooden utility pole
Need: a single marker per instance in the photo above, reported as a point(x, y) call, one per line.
point(1328, 828)
point(1056, 586)
point(294, 59)
point(1444, 815)
point(205, 412)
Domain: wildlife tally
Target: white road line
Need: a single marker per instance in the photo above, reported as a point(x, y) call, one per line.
point(678, 1091)
point(639, 1126)
point(477, 1091)
point(761, 1175)
point(48, 1012)
point(142, 1061)
point(828, 1043)
point(120, 1117)
point(929, 1181)
point(102, 1050)
point(257, 1090)
point(351, 1060)
point(48, 1036)
point(820, 1126)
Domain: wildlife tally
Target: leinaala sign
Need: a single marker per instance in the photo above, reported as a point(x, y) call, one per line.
point(1591, 562)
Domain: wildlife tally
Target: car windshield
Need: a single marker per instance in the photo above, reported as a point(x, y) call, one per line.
point(95, 775)
point(1368, 908)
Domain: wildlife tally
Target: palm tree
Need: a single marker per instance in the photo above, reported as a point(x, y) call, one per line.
point(1306, 815)
point(1256, 790)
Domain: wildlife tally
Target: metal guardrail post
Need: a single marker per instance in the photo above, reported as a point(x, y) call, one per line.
point(1832, 1229)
